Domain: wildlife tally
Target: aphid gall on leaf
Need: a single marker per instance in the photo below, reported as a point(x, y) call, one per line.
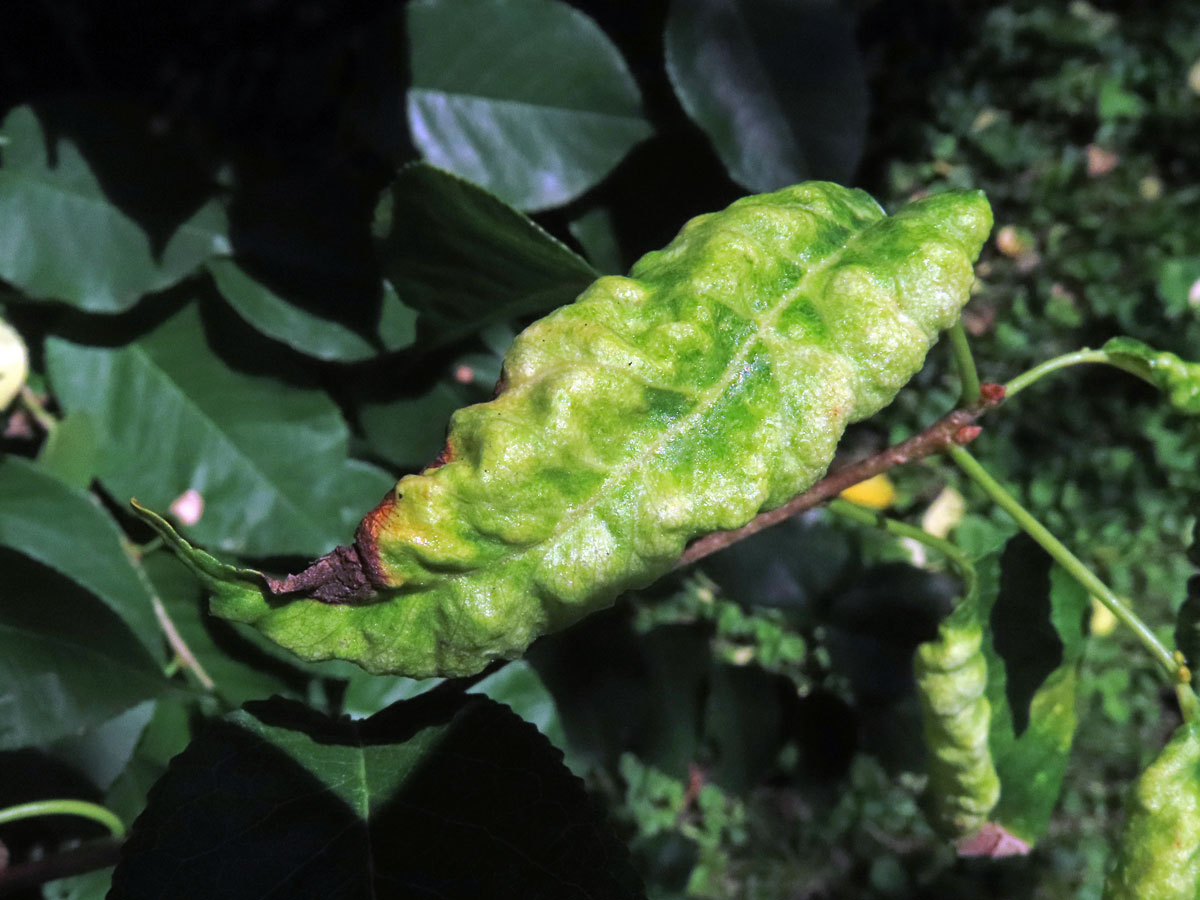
point(712, 383)
point(951, 678)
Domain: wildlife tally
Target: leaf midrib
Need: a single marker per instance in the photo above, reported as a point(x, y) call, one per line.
point(705, 401)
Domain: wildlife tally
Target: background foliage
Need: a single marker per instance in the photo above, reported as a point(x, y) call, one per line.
point(235, 278)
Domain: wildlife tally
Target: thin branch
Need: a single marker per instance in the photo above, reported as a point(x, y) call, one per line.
point(183, 652)
point(953, 429)
point(34, 406)
point(85, 858)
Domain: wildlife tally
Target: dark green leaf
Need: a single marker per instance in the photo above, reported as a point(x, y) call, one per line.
point(64, 528)
point(61, 239)
point(301, 330)
point(464, 259)
point(435, 796)
point(528, 98)
point(1037, 615)
point(519, 687)
point(268, 460)
point(409, 432)
point(102, 753)
point(778, 87)
point(67, 663)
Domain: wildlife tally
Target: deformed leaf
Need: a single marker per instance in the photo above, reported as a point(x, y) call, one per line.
point(1159, 855)
point(438, 796)
point(1175, 377)
point(951, 676)
point(712, 383)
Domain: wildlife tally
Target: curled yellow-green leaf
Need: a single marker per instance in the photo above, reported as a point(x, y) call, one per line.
point(1159, 855)
point(711, 384)
point(951, 676)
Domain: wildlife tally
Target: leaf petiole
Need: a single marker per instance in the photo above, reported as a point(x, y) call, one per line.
point(954, 555)
point(1076, 357)
point(83, 808)
point(964, 361)
point(1177, 673)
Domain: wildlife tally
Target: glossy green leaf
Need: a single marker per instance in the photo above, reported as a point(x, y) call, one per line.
point(1159, 854)
point(952, 677)
point(777, 87)
point(268, 459)
point(1036, 616)
point(713, 383)
point(304, 331)
point(67, 663)
point(437, 797)
point(61, 238)
point(481, 104)
point(462, 258)
point(1175, 377)
point(66, 529)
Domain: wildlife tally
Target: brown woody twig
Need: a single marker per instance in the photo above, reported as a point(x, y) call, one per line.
point(957, 427)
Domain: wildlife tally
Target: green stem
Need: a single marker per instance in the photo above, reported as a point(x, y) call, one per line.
point(83, 808)
point(1084, 355)
point(957, 558)
point(1069, 562)
point(964, 361)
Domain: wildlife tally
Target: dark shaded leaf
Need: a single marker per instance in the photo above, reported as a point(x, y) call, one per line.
point(481, 104)
point(433, 797)
point(301, 330)
point(64, 528)
point(61, 239)
point(1033, 726)
point(67, 663)
point(464, 259)
point(777, 86)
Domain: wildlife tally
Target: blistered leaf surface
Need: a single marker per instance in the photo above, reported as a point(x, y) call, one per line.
point(1159, 855)
point(712, 383)
point(951, 674)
